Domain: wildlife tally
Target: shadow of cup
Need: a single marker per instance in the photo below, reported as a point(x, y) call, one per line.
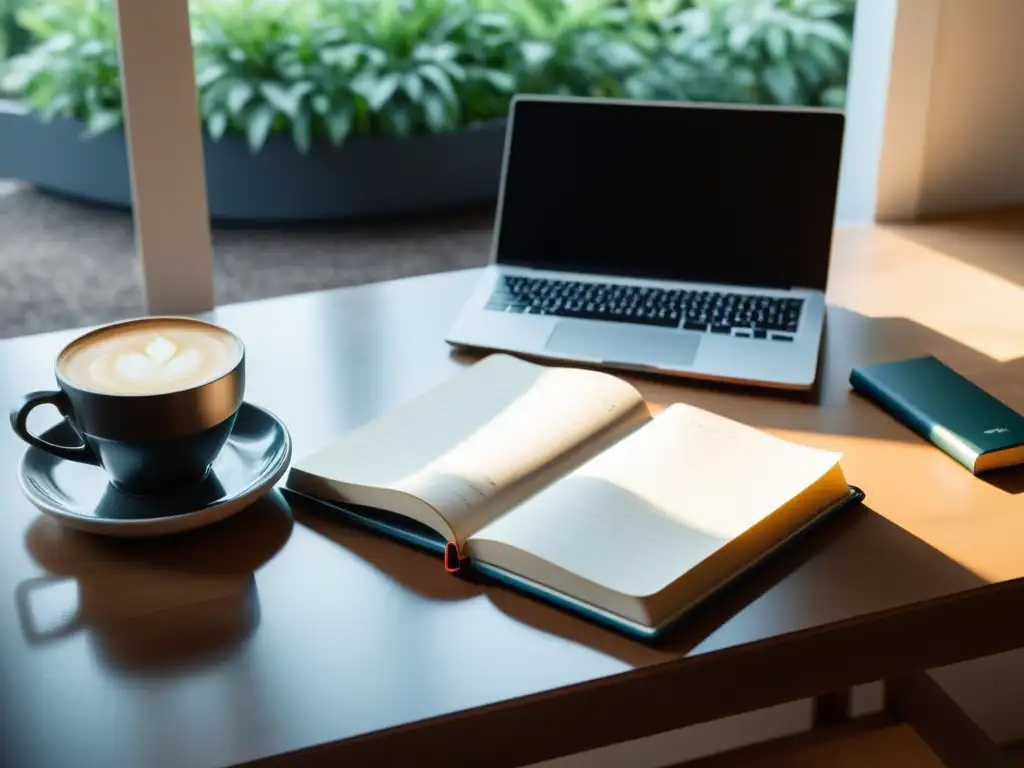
point(152, 604)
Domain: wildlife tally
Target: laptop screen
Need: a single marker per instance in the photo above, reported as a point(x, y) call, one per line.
point(669, 191)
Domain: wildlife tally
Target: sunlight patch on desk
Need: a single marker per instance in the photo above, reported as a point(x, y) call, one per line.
point(886, 275)
point(919, 488)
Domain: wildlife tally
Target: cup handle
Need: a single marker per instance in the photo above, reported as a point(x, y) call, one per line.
point(19, 421)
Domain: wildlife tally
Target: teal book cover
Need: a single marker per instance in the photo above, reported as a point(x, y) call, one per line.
point(952, 412)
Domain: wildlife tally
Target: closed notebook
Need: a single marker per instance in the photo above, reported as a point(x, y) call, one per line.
point(559, 481)
point(947, 409)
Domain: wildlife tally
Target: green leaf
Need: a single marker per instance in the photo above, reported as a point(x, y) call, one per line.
point(825, 9)
point(494, 21)
point(301, 133)
point(501, 81)
point(61, 42)
point(258, 126)
point(209, 74)
point(216, 124)
point(92, 48)
point(825, 55)
point(62, 104)
point(349, 55)
point(536, 54)
point(528, 14)
point(376, 91)
point(621, 55)
point(775, 42)
point(435, 112)
point(291, 69)
point(834, 96)
point(387, 15)
point(440, 81)
point(321, 104)
point(286, 100)
point(339, 125)
point(238, 96)
point(15, 80)
point(810, 70)
point(436, 52)
point(400, 120)
point(453, 70)
point(830, 32)
point(101, 121)
point(781, 83)
point(413, 86)
point(740, 35)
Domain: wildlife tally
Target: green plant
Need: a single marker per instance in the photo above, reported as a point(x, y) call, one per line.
point(13, 37)
point(73, 70)
point(393, 67)
point(573, 48)
point(337, 68)
point(764, 51)
point(253, 62)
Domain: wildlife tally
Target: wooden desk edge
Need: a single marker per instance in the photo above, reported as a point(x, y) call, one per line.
point(700, 688)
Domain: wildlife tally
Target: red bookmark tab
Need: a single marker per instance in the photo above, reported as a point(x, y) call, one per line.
point(452, 558)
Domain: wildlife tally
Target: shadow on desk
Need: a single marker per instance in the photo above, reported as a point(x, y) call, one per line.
point(853, 564)
point(989, 239)
point(1009, 480)
point(832, 408)
point(152, 605)
point(850, 339)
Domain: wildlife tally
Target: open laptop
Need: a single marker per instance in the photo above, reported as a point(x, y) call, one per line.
point(680, 238)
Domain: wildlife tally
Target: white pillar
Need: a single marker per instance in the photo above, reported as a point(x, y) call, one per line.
point(867, 86)
point(165, 156)
point(910, 79)
point(954, 129)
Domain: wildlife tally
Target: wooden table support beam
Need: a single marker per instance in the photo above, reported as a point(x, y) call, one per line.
point(920, 702)
point(831, 708)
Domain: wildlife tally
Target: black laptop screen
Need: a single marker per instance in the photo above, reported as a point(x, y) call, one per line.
point(721, 195)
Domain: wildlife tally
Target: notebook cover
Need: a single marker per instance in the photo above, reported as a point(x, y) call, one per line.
point(950, 411)
point(420, 536)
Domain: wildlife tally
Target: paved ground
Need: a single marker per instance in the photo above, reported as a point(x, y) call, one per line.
point(64, 264)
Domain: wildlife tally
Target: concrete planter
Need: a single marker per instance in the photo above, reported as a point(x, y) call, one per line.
point(365, 177)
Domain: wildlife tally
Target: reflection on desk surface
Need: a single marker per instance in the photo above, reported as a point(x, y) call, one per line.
point(151, 605)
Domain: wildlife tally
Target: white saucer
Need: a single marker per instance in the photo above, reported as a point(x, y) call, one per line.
point(79, 495)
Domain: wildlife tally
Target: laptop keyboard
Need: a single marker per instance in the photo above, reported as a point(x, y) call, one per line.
point(739, 314)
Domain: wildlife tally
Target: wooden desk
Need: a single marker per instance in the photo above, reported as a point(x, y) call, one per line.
point(265, 636)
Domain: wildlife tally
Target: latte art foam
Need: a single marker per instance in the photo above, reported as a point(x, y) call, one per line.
point(150, 358)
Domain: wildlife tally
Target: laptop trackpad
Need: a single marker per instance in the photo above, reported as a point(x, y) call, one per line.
point(621, 343)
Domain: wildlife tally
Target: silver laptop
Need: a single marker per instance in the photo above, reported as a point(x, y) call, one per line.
point(679, 238)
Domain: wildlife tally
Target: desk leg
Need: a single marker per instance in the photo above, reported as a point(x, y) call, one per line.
point(959, 742)
point(831, 708)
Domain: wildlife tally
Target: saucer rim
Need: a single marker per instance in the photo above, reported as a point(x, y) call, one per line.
point(91, 524)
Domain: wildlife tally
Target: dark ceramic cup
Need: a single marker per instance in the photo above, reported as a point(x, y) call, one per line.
point(147, 443)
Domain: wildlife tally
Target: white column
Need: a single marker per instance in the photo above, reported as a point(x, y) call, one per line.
point(165, 156)
point(901, 173)
point(954, 128)
point(867, 86)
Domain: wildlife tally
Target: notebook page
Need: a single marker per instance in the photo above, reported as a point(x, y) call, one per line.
point(638, 516)
point(487, 438)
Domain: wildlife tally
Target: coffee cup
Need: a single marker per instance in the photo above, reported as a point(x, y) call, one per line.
point(152, 400)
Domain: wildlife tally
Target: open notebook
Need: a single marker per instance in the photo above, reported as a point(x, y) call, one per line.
point(559, 481)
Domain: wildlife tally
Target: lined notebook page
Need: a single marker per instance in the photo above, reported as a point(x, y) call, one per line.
point(485, 439)
point(637, 517)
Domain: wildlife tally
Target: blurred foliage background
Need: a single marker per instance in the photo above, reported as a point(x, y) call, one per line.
point(337, 68)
